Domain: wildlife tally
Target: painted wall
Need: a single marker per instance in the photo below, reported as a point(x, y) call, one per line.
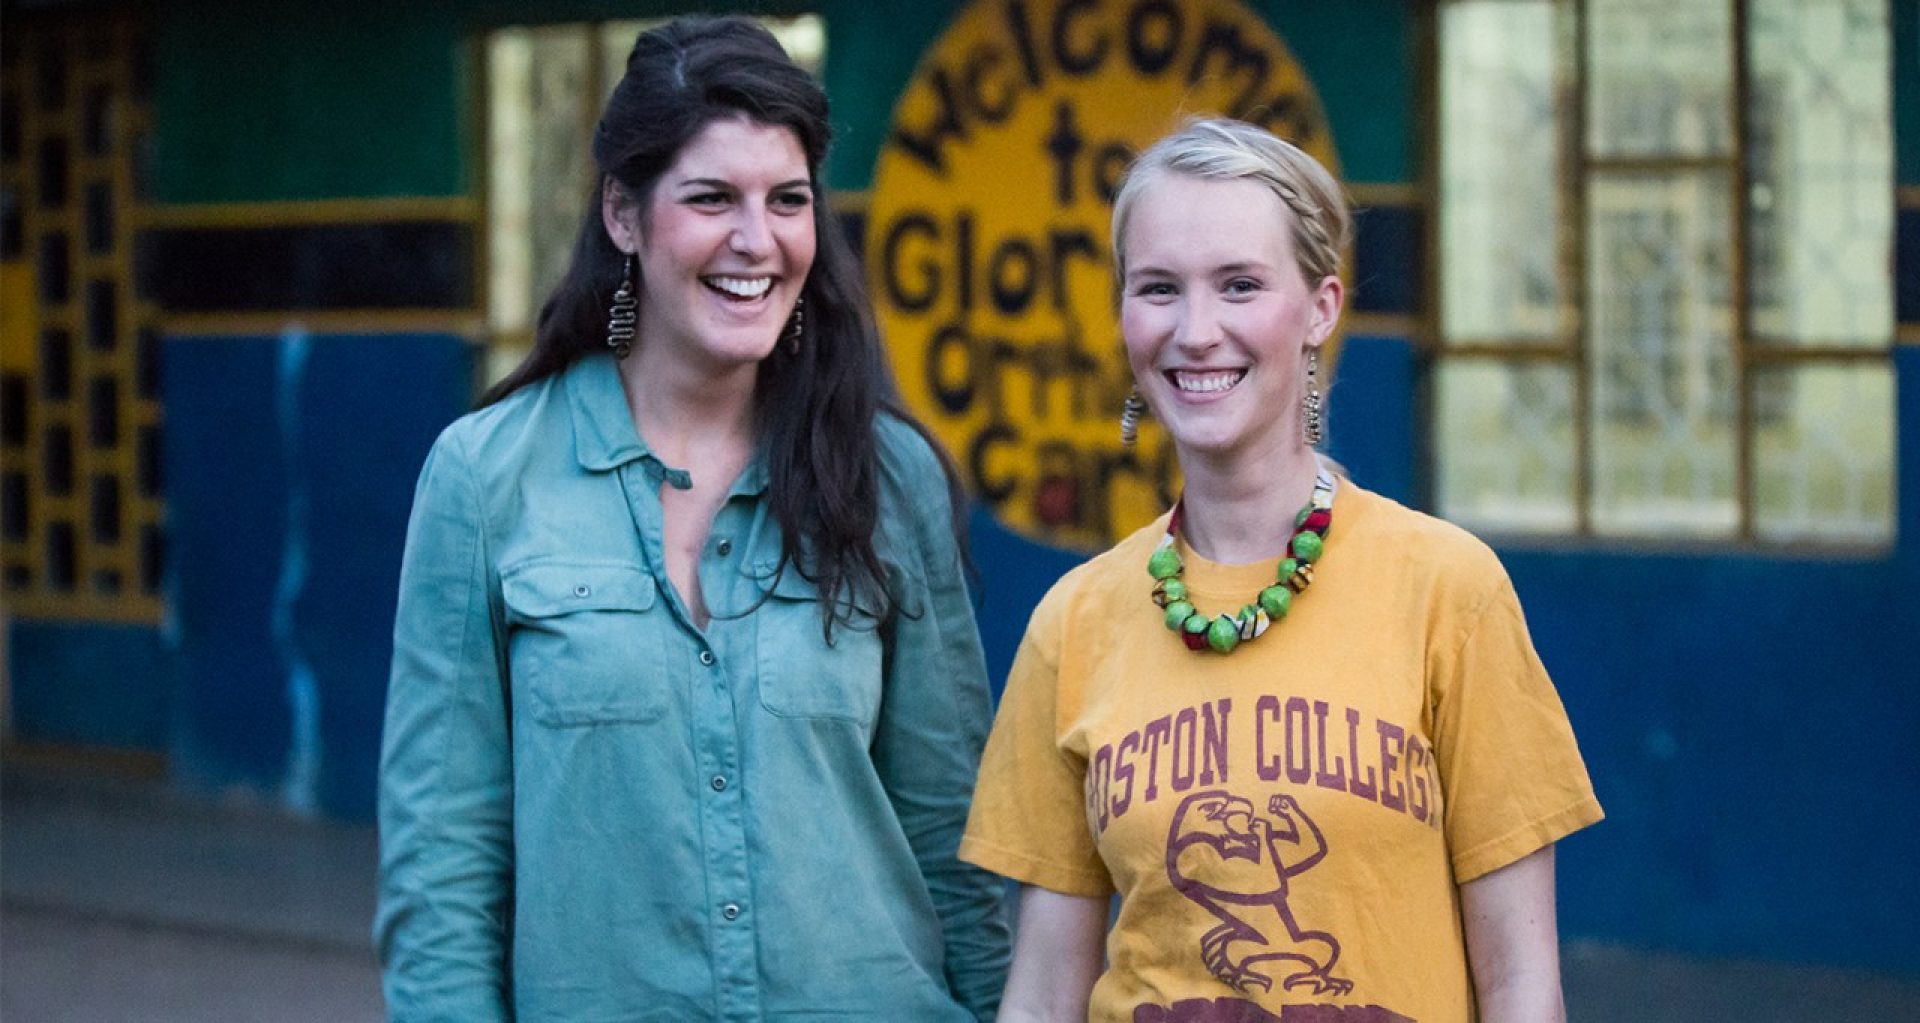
point(1747, 714)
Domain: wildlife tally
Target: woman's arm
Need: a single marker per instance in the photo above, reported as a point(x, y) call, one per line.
point(446, 780)
point(933, 722)
point(1058, 951)
point(1513, 942)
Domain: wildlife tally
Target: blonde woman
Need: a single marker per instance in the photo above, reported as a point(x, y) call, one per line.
point(1298, 728)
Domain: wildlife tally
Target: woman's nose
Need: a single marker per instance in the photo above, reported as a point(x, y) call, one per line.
point(752, 237)
point(1199, 326)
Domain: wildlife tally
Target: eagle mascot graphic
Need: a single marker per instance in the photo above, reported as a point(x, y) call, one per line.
point(1236, 865)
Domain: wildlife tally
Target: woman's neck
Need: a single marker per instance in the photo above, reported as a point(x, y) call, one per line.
point(1238, 511)
point(689, 418)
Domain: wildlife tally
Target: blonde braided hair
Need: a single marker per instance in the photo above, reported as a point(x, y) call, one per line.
point(1220, 148)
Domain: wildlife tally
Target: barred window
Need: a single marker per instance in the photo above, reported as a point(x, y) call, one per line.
point(81, 515)
point(1666, 295)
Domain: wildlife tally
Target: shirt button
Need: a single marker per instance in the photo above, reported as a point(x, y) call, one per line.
point(582, 590)
point(725, 547)
point(731, 911)
point(719, 783)
point(706, 658)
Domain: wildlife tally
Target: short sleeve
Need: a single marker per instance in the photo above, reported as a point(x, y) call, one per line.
point(1029, 817)
point(1510, 770)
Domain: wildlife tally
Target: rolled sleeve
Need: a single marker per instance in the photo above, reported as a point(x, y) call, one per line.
point(446, 790)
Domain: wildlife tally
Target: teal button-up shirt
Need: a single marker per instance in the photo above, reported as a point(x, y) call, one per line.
point(592, 810)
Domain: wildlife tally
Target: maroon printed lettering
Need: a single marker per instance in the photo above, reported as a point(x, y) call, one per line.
point(1157, 731)
point(1186, 723)
point(1213, 748)
point(1335, 779)
point(1265, 765)
point(1418, 805)
point(1123, 773)
point(1298, 771)
point(1363, 789)
point(1099, 782)
point(1393, 794)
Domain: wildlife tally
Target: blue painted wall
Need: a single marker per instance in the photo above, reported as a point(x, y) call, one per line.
point(88, 683)
point(291, 464)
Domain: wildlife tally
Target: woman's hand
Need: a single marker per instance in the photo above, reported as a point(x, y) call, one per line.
point(1513, 942)
point(1058, 952)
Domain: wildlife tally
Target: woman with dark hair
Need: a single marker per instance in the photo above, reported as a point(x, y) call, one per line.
point(687, 694)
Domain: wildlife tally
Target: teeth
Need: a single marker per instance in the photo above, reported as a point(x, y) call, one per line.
point(741, 287)
point(1206, 383)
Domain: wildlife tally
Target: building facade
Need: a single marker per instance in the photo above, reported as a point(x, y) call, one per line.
point(1635, 295)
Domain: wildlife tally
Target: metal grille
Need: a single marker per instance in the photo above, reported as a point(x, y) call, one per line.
point(80, 487)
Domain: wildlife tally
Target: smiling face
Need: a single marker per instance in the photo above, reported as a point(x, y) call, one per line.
point(724, 247)
point(1218, 316)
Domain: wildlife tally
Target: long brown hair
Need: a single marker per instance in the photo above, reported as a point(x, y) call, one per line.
point(815, 406)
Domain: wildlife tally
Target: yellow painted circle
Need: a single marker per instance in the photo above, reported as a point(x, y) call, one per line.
point(987, 226)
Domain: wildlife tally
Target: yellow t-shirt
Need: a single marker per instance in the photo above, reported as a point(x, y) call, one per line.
point(1286, 825)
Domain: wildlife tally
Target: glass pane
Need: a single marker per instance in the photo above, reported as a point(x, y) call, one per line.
point(1505, 445)
point(62, 556)
point(153, 545)
point(99, 221)
point(1823, 452)
point(1660, 357)
point(105, 511)
point(53, 173)
point(539, 169)
point(15, 498)
point(1500, 209)
point(103, 412)
point(56, 460)
point(1659, 72)
point(1820, 152)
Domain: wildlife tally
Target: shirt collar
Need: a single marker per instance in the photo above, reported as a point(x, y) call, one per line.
point(604, 436)
point(603, 433)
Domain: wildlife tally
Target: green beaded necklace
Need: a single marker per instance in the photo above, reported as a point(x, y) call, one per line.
point(1224, 632)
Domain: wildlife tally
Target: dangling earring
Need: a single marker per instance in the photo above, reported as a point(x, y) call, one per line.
point(1130, 412)
point(1311, 423)
point(796, 323)
point(624, 312)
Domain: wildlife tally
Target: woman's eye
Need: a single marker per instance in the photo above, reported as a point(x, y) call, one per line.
point(793, 200)
point(1154, 289)
point(706, 198)
point(1242, 286)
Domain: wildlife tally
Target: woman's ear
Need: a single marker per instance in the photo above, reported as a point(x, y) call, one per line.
point(1327, 296)
point(621, 215)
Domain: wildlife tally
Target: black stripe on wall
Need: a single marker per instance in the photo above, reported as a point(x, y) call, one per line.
point(1389, 259)
point(395, 265)
point(1906, 266)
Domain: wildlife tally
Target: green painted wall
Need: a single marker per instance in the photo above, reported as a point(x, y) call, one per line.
point(258, 102)
point(302, 99)
point(1363, 57)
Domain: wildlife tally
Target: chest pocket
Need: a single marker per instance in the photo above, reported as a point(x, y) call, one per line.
point(583, 641)
point(800, 675)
